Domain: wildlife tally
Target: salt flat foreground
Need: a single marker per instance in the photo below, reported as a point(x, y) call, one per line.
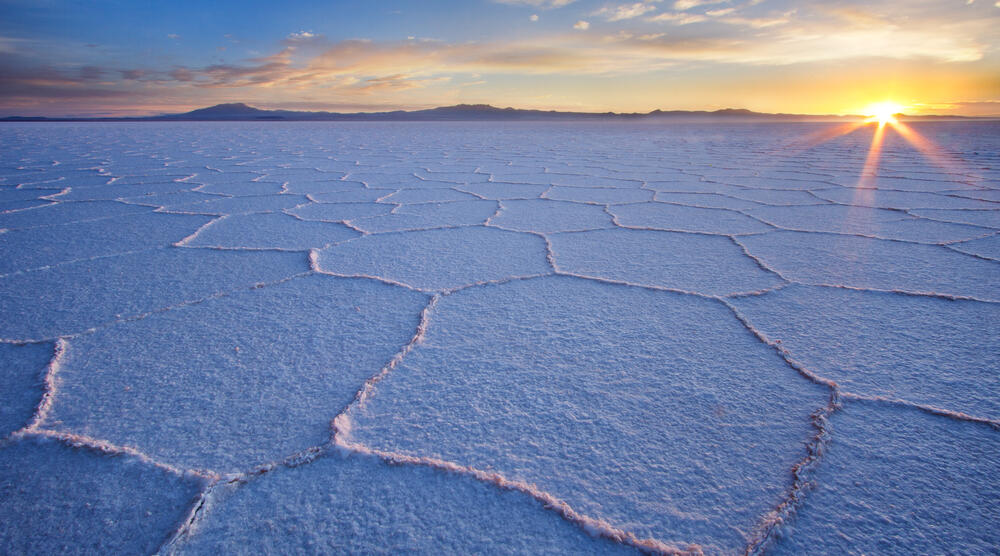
point(482, 338)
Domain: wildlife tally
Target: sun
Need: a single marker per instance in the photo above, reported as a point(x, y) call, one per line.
point(883, 112)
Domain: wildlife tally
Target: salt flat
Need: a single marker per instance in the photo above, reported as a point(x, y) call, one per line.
point(498, 338)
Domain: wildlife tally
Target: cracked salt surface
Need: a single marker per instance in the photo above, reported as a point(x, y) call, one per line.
point(68, 500)
point(65, 213)
point(46, 246)
point(426, 216)
point(661, 216)
point(242, 205)
point(21, 382)
point(206, 393)
point(499, 190)
point(556, 380)
point(900, 481)
point(705, 264)
point(862, 221)
point(987, 247)
point(58, 301)
point(330, 506)
point(546, 216)
point(853, 261)
point(438, 259)
point(926, 350)
point(268, 231)
point(465, 338)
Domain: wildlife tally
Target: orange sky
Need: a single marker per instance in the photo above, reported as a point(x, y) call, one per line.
point(814, 57)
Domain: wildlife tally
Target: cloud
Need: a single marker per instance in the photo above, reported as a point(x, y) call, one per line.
point(302, 35)
point(683, 5)
point(722, 16)
point(402, 65)
point(183, 75)
point(398, 82)
point(22, 83)
point(625, 11)
point(533, 18)
point(228, 75)
point(759, 22)
point(9, 44)
point(173, 36)
point(965, 107)
point(677, 18)
point(306, 65)
point(543, 4)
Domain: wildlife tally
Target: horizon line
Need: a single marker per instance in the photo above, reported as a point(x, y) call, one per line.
point(472, 107)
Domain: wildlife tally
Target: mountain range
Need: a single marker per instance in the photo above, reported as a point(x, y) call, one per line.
point(461, 112)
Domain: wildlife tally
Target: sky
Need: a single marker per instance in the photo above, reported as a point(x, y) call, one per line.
point(135, 57)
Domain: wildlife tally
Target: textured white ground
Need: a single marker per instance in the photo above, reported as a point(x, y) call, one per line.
point(498, 338)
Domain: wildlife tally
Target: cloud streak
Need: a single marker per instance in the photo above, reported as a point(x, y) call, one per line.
point(625, 11)
point(543, 4)
point(631, 41)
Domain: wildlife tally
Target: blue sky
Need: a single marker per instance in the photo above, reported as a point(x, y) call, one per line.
point(61, 57)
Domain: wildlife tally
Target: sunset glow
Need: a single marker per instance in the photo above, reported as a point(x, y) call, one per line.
point(579, 55)
point(884, 116)
point(883, 112)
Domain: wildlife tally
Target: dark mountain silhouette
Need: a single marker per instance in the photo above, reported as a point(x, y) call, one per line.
point(239, 111)
point(463, 112)
point(226, 110)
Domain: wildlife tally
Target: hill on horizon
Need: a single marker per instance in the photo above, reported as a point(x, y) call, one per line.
point(239, 111)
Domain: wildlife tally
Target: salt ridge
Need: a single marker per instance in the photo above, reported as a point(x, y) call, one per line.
point(341, 423)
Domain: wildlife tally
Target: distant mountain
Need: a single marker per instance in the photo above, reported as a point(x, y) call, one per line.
point(468, 112)
point(236, 109)
point(239, 111)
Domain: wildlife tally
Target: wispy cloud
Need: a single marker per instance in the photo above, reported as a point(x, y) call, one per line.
point(624, 11)
point(543, 4)
point(362, 66)
point(636, 41)
point(677, 18)
point(688, 4)
point(966, 107)
point(759, 22)
point(10, 44)
point(398, 82)
point(302, 35)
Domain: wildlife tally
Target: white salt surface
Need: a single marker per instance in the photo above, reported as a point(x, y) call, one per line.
point(901, 481)
point(59, 499)
point(482, 338)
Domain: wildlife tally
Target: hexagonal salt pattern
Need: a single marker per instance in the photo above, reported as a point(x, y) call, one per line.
point(326, 506)
point(194, 387)
point(651, 410)
point(861, 262)
point(419, 337)
point(706, 264)
point(900, 481)
point(439, 259)
point(929, 351)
